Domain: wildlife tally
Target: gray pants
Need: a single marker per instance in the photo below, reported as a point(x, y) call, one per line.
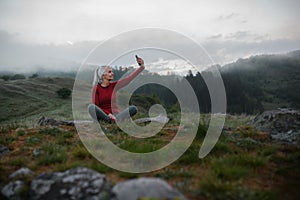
point(98, 114)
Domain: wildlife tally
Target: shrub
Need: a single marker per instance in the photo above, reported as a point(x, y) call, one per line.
point(17, 77)
point(33, 76)
point(5, 77)
point(64, 93)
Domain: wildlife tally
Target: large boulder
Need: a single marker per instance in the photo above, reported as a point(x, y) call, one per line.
point(77, 183)
point(146, 188)
point(282, 124)
point(85, 184)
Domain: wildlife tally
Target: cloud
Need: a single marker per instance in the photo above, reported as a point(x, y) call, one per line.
point(238, 35)
point(228, 17)
point(215, 37)
point(174, 66)
point(16, 55)
point(226, 51)
point(245, 36)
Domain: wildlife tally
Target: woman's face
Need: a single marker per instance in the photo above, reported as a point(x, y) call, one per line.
point(108, 74)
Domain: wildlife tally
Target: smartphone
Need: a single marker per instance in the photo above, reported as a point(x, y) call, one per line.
point(137, 58)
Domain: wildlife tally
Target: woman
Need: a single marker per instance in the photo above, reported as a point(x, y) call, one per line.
point(104, 107)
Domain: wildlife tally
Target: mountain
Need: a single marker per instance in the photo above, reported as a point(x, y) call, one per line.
point(271, 80)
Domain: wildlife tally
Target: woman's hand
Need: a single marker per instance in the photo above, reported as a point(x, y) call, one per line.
point(140, 61)
point(112, 117)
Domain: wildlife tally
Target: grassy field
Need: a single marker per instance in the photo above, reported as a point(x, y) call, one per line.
point(25, 101)
point(244, 164)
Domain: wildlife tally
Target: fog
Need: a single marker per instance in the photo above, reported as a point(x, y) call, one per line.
point(60, 34)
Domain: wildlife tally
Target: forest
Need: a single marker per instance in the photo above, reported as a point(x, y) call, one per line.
point(252, 85)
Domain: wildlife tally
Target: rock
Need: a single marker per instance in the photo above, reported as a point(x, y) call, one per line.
point(21, 172)
point(43, 121)
point(290, 137)
point(3, 150)
point(83, 183)
point(160, 118)
point(145, 187)
point(281, 124)
point(77, 183)
point(36, 152)
point(12, 189)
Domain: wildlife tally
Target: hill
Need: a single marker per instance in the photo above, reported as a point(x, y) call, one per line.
point(24, 101)
point(273, 80)
point(255, 84)
point(252, 85)
point(28, 99)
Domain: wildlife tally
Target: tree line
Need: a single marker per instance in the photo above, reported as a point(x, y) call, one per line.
point(252, 85)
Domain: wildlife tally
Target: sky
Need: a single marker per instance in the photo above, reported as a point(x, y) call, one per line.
point(59, 34)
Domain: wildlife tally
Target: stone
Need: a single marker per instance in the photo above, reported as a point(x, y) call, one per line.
point(160, 118)
point(77, 183)
point(281, 124)
point(21, 172)
point(12, 188)
point(3, 150)
point(36, 152)
point(43, 121)
point(145, 188)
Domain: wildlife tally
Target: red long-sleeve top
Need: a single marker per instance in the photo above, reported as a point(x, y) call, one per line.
point(106, 98)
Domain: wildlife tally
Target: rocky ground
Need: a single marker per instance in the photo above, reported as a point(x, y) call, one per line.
point(248, 162)
point(283, 125)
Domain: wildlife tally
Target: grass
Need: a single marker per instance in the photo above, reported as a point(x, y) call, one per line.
point(242, 165)
point(168, 173)
point(52, 153)
point(21, 132)
point(17, 162)
point(33, 140)
point(44, 100)
point(216, 189)
point(7, 139)
point(238, 167)
point(80, 152)
point(54, 131)
point(143, 146)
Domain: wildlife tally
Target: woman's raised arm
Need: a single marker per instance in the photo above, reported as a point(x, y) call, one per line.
point(125, 81)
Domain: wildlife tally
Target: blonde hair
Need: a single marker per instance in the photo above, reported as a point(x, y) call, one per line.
point(99, 72)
